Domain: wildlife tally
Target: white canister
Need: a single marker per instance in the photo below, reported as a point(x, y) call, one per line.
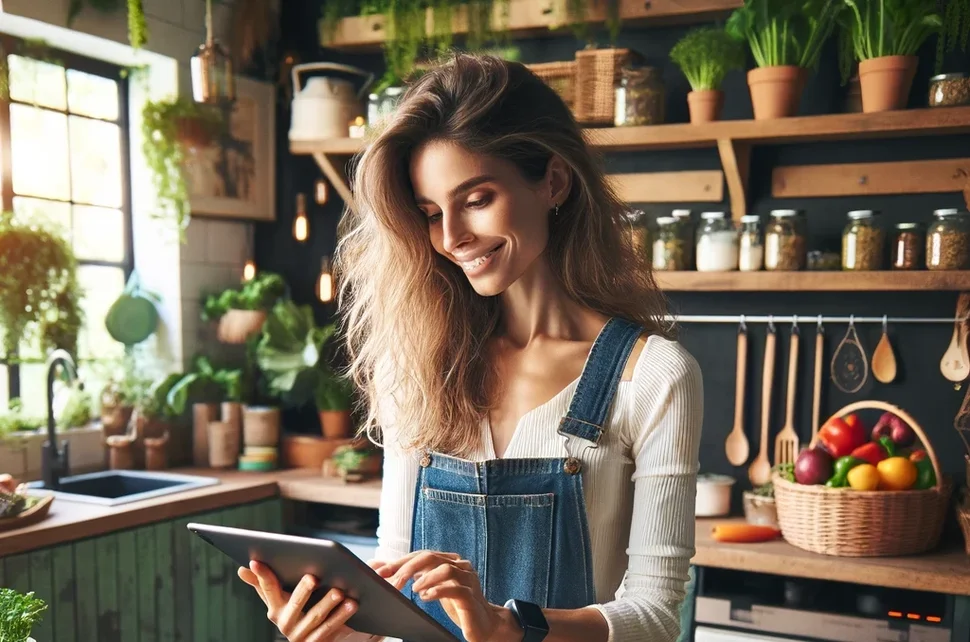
point(713, 495)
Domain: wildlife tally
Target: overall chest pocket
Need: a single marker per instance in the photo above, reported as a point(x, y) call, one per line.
point(507, 538)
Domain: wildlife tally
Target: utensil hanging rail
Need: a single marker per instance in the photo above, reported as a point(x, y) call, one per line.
point(803, 319)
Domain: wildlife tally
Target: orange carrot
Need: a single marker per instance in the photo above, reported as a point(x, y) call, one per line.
point(743, 533)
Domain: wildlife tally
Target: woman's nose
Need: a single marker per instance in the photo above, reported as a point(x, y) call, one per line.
point(454, 231)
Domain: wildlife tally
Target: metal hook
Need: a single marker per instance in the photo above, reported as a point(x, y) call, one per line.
point(771, 323)
point(821, 329)
point(794, 324)
point(885, 323)
point(744, 326)
point(851, 320)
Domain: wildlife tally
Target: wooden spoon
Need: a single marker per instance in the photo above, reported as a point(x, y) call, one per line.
point(760, 471)
point(736, 446)
point(883, 359)
point(955, 364)
point(786, 443)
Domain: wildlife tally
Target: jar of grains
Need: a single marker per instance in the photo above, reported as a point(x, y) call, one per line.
point(863, 240)
point(785, 241)
point(751, 250)
point(717, 244)
point(668, 247)
point(949, 90)
point(688, 233)
point(639, 233)
point(640, 97)
point(948, 241)
point(907, 246)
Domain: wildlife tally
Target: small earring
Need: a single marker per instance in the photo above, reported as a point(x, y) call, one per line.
point(556, 213)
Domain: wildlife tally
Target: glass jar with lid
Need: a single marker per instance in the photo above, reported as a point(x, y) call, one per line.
point(688, 233)
point(717, 244)
point(751, 249)
point(785, 241)
point(907, 246)
point(948, 241)
point(640, 97)
point(638, 231)
point(949, 90)
point(668, 247)
point(863, 242)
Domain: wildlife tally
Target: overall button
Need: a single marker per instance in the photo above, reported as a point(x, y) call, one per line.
point(425, 460)
point(572, 466)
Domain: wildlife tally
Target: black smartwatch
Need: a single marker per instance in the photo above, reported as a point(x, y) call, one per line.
point(530, 618)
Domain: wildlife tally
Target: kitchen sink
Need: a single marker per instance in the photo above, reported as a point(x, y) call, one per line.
point(114, 487)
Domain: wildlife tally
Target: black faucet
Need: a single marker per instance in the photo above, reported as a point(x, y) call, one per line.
point(54, 460)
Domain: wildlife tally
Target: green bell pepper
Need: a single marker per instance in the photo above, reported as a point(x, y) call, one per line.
point(841, 469)
point(925, 475)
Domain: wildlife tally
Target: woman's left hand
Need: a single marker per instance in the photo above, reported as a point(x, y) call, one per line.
point(453, 582)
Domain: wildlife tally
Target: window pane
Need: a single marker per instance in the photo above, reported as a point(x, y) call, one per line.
point(33, 390)
point(90, 95)
point(4, 389)
point(38, 141)
point(52, 214)
point(101, 286)
point(95, 162)
point(37, 82)
point(99, 234)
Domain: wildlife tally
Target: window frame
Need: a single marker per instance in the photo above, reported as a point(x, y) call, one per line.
point(70, 60)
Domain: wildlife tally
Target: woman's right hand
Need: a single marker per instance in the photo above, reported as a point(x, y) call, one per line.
point(324, 622)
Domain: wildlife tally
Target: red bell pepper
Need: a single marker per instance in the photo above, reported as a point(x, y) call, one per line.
point(840, 438)
point(873, 452)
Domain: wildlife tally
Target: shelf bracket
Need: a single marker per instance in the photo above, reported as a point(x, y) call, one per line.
point(336, 176)
point(736, 163)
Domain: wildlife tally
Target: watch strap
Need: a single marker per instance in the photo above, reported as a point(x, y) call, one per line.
point(531, 618)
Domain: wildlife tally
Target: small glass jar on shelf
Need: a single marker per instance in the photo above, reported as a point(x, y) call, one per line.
point(639, 233)
point(751, 249)
point(717, 244)
point(688, 234)
point(948, 241)
point(785, 241)
point(668, 247)
point(640, 97)
point(907, 246)
point(863, 242)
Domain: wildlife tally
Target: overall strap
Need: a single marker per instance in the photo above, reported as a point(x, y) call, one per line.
point(597, 385)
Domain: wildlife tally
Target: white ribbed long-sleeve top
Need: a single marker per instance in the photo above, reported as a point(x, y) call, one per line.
point(639, 487)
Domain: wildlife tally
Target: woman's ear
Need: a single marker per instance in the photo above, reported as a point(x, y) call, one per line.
point(559, 180)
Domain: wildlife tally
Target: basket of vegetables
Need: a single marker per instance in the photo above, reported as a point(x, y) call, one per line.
point(859, 493)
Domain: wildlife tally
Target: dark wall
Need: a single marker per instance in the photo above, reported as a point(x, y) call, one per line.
point(920, 388)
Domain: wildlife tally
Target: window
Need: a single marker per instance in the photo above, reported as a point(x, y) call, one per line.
point(64, 136)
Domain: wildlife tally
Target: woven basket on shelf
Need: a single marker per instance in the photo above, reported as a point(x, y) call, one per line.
point(857, 523)
point(596, 72)
point(561, 76)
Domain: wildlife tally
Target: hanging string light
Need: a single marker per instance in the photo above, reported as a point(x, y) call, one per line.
point(301, 225)
point(249, 270)
point(325, 282)
point(212, 79)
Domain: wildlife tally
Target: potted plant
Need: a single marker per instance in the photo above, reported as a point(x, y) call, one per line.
point(786, 39)
point(170, 130)
point(885, 36)
point(241, 311)
point(705, 56)
point(207, 387)
point(19, 612)
point(357, 462)
point(291, 353)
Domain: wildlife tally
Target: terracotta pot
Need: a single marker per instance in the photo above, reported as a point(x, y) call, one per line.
point(886, 82)
point(202, 414)
point(776, 91)
point(705, 105)
point(261, 426)
point(114, 419)
point(336, 423)
point(302, 451)
point(192, 132)
point(223, 445)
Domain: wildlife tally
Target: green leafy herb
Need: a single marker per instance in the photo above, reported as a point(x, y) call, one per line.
point(787, 471)
point(260, 293)
point(706, 55)
point(785, 32)
point(77, 411)
point(18, 614)
point(205, 382)
point(879, 28)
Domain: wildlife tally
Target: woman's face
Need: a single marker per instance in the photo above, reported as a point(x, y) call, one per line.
point(483, 215)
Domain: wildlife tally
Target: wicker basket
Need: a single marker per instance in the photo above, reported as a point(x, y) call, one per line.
point(963, 516)
point(856, 523)
point(596, 72)
point(561, 76)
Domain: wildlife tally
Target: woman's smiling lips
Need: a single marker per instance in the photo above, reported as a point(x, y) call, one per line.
point(472, 263)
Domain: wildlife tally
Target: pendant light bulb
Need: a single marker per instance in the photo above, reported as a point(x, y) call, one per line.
point(325, 282)
point(249, 270)
point(301, 224)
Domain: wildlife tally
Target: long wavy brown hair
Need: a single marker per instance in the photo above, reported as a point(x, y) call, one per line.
point(415, 330)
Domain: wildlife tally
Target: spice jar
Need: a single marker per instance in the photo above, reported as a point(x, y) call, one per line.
point(688, 233)
point(668, 248)
point(949, 90)
point(717, 244)
point(639, 233)
point(948, 241)
point(907, 246)
point(751, 250)
point(862, 242)
point(785, 241)
point(640, 97)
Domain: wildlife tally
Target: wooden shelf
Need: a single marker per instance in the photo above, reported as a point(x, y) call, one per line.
point(535, 17)
point(813, 281)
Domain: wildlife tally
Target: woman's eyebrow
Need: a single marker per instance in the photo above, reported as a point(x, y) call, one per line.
point(463, 187)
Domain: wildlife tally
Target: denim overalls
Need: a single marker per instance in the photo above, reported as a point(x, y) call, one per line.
point(522, 522)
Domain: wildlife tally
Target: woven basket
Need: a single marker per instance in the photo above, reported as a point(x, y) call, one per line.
point(561, 76)
point(596, 72)
point(963, 516)
point(857, 523)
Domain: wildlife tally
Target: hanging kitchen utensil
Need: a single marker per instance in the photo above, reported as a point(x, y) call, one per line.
point(326, 106)
point(955, 364)
point(883, 359)
point(133, 317)
point(760, 471)
point(786, 443)
point(817, 391)
point(736, 447)
point(850, 368)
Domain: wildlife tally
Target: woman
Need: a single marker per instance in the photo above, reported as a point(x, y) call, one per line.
point(540, 427)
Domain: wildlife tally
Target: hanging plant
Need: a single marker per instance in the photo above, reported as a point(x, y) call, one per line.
point(956, 28)
point(39, 292)
point(169, 129)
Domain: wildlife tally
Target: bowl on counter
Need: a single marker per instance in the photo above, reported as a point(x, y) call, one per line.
point(713, 495)
point(759, 509)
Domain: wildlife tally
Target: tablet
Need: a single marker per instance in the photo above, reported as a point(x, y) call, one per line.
point(381, 610)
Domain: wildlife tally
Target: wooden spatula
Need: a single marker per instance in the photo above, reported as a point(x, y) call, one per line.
point(786, 443)
point(736, 447)
point(760, 471)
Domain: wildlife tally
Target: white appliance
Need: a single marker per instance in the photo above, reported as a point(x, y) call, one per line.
point(327, 105)
point(706, 634)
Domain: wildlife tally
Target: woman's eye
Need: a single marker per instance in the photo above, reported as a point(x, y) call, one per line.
point(434, 218)
point(479, 203)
